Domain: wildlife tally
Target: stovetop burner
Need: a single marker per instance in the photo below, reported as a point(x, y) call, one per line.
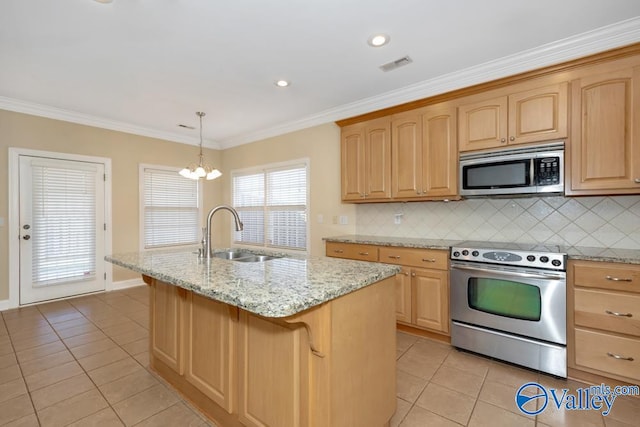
point(532, 255)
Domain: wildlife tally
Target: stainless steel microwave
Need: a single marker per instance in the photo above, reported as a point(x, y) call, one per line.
point(526, 170)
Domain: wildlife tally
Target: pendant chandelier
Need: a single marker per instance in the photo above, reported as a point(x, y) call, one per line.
point(200, 170)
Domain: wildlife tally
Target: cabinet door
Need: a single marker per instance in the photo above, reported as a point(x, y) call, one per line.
point(403, 296)
point(431, 299)
point(166, 324)
point(539, 114)
point(407, 156)
point(273, 373)
point(378, 159)
point(352, 163)
point(483, 124)
point(605, 146)
point(439, 152)
point(210, 345)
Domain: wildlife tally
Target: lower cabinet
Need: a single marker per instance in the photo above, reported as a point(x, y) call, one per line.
point(422, 287)
point(332, 365)
point(604, 308)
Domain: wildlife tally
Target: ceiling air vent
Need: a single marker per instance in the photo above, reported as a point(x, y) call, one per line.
point(405, 60)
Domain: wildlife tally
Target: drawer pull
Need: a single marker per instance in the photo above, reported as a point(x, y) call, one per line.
point(617, 356)
point(394, 256)
point(614, 313)
point(338, 251)
point(428, 260)
point(363, 253)
point(617, 279)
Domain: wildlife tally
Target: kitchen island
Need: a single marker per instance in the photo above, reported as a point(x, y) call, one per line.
point(287, 342)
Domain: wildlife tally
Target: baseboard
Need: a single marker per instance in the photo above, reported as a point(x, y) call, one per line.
point(5, 304)
point(124, 284)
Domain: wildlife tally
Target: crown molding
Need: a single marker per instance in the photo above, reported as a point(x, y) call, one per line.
point(41, 110)
point(605, 38)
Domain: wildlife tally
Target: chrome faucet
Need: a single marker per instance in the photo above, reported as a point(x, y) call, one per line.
point(207, 235)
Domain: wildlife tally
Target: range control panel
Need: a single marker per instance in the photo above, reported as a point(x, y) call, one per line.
point(522, 258)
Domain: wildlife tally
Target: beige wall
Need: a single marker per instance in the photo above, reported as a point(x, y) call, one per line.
point(321, 145)
point(126, 152)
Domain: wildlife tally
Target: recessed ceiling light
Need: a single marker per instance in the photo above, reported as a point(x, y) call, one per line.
point(378, 40)
point(282, 83)
point(104, 1)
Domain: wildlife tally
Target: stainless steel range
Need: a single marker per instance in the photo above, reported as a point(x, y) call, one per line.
point(508, 301)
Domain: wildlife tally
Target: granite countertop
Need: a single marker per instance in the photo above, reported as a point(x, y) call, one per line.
point(628, 256)
point(276, 288)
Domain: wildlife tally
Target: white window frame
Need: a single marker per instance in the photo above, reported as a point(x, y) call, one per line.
point(142, 167)
point(262, 169)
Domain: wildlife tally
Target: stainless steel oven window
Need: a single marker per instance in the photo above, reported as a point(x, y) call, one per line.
point(505, 298)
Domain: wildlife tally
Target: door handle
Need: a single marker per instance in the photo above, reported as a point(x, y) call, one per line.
point(615, 313)
point(26, 237)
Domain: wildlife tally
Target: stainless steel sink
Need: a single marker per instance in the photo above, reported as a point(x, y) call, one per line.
point(256, 258)
point(243, 256)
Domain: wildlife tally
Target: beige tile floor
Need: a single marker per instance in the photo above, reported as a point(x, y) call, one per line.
point(84, 362)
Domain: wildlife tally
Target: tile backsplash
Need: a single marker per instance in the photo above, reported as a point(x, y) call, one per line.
point(606, 222)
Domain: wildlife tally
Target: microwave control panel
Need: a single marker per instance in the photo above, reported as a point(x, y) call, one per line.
point(547, 171)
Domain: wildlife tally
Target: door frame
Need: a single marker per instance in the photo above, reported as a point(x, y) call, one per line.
point(13, 221)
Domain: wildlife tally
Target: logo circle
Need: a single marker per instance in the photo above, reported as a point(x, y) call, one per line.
point(539, 392)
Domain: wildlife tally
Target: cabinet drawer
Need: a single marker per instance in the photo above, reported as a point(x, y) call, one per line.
point(425, 258)
point(611, 311)
point(596, 350)
point(606, 275)
point(352, 251)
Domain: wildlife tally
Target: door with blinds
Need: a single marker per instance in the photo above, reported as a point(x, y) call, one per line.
point(62, 223)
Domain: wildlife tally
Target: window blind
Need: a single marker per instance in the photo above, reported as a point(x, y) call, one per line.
point(64, 223)
point(272, 205)
point(171, 209)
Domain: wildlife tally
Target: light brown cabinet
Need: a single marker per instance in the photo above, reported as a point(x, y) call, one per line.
point(604, 330)
point(352, 251)
point(167, 322)
point(605, 131)
point(366, 161)
point(424, 154)
point(330, 365)
point(521, 117)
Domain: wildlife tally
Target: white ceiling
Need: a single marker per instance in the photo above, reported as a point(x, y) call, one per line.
point(144, 66)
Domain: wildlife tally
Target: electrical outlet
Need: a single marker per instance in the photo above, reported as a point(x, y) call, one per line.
point(320, 218)
point(344, 220)
point(335, 219)
point(397, 218)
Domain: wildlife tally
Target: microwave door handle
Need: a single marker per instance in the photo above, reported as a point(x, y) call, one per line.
point(511, 273)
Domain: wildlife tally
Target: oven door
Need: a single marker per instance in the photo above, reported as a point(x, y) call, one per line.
point(526, 302)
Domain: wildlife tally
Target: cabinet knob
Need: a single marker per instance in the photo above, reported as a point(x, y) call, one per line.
point(413, 274)
point(405, 273)
point(338, 251)
point(637, 180)
point(394, 256)
point(617, 356)
point(615, 313)
point(503, 140)
point(428, 260)
point(363, 253)
point(617, 279)
point(512, 138)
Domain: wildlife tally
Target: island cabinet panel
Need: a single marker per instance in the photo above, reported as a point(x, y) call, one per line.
point(210, 348)
point(273, 379)
point(605, 140)
point(167, 322)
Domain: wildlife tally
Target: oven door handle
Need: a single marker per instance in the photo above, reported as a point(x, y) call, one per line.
point(511, 273)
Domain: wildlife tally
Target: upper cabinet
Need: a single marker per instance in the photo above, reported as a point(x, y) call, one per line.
point(366, 161)
point(424, 154)
point(605, 131)
point(522, 117)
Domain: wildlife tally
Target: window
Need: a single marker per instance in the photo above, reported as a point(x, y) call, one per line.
point(170, 208)
point(272, 204)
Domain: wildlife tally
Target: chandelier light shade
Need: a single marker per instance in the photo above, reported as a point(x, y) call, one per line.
point(201, 169)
